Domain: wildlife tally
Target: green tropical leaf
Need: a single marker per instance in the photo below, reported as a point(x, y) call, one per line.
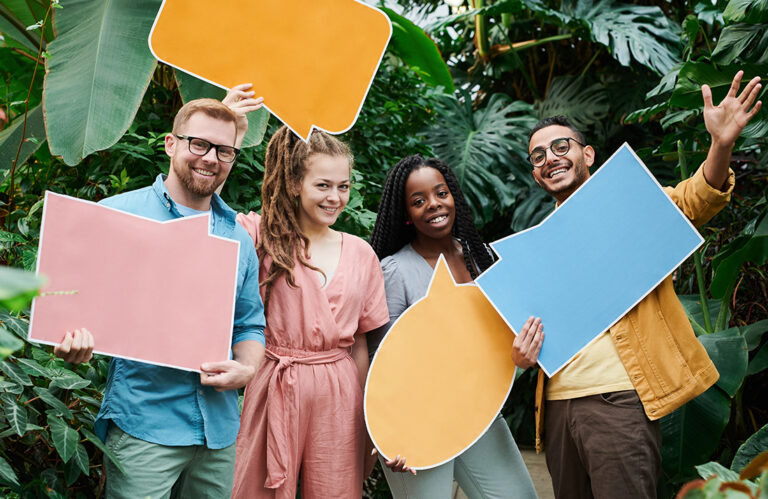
point(716, 469)
point(65, 438)
point(634, 31)
point(695, 313)
point(759, 362)
point(728, 351)
point(708, 13)
point(691, 433)
point(15, 324)
point(16, 15)
point(33, 368)
point(98, 70)
point(755, 445)
point(753, 333)
point(751, 11)
point(59, 407)
point(480, 146)
point(68, 381)
point(748, 42)
point(7, 474)
point(728, 262)
point(11, 137)
point(8, 343)
point(419, 52)
point(191, 87)
point(103, 448)
point(80, 458)
point(18, 287)
point(693, 75)
point(575, 97)
point(15, 414)
point(15, 373)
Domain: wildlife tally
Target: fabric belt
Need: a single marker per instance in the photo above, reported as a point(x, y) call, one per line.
point(283, 408)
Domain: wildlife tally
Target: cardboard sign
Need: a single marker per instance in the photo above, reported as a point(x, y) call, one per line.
point(157, 292)
point(440, 376)
point(593, 259)
point(313, 61)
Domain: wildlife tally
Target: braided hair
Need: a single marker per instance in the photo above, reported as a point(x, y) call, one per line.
point(284, 168)
point(392, 233)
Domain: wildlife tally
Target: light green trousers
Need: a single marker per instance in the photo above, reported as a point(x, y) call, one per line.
point(491, 469)
point(160, 472)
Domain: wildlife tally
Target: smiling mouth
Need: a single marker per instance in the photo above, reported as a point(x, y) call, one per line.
point(204, 173)
point(556, 172)
point(438, 219)
point(329, 210)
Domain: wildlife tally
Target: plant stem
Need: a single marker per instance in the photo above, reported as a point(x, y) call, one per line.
point(12, 188)
point(591, 60)
point(481, 30)
point(11, 18)
point(697, 255)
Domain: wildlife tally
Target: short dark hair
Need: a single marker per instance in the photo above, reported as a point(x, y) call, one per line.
point(557, 120)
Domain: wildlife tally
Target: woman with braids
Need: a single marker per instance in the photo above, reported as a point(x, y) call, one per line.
point(322, 291)
point(422, 215)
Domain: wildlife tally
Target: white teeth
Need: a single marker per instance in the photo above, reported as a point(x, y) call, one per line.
point(329, 210)
point(557, 172)
point(438, 219)
point(205, 173)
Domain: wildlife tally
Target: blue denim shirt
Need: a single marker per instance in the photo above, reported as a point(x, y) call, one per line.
point(169, 406)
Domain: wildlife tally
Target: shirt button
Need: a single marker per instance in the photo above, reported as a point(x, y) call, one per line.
point(200, 392)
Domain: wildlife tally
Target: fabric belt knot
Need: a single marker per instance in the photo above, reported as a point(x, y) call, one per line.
point(283, 406)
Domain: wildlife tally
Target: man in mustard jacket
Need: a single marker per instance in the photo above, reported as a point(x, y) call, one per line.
point(602, 409)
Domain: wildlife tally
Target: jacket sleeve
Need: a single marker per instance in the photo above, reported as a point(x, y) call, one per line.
point(698, 200)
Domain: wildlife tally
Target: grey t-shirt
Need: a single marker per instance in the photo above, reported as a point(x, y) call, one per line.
point(406, 279)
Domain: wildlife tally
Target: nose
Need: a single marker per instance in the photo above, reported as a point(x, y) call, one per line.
point(549, 156)
point(210, 156)
point(433, 202)
point(333, 194)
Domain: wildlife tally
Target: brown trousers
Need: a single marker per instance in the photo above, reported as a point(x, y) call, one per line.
point(602, 446)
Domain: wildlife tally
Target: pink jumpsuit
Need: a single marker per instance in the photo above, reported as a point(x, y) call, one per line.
point(303, 411)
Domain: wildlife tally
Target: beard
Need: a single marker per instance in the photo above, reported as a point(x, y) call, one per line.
point(201, 187)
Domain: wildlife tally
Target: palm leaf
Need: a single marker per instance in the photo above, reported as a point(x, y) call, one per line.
point(574, 97)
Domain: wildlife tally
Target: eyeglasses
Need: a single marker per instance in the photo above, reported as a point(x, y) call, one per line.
point(559, 147)
point(200, 147)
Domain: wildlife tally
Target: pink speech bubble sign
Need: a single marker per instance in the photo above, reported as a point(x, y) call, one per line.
point(156, 292)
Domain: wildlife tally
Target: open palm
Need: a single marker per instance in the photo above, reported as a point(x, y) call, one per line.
point(725, 121)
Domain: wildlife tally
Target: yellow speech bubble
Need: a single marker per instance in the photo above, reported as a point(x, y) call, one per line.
point(440, 376)
point(313, 61)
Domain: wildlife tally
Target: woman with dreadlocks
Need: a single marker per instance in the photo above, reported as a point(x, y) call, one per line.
point(422, 215)
point(322, 291)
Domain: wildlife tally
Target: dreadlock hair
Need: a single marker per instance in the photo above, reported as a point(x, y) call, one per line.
point(392, 233)
point(284, 167)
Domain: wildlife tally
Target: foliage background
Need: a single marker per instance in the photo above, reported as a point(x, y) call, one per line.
point(464, 85)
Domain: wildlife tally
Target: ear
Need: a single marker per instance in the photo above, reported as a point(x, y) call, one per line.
point(170, 144)
point(589, 156)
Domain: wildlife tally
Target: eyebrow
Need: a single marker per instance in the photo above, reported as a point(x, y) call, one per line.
point(419, 193)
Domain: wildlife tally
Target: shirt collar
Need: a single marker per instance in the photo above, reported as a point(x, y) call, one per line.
point(219, 209)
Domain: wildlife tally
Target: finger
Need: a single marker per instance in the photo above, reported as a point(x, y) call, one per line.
point(706, 94)
point(63, 348)
point(242, 86)
point(374, 451)
point(735, 84)
point(752, 95)
point(755, 110)
point(215, 367)
point(744, 95)
point(531, 334)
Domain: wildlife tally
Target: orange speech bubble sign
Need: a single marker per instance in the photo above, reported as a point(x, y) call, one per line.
point(440, 376)
point(313, 61)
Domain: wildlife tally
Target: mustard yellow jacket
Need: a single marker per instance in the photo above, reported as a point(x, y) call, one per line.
point(665, 361)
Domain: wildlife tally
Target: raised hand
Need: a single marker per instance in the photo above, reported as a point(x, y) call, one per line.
point(725, 121)
point(240, 100)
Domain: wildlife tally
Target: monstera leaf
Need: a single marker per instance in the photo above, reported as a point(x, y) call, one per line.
point(98, 70)
point(575, 97)
point(638, 32)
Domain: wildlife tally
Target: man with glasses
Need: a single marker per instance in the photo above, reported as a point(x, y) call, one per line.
point(602, 409)
point(174, 431)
